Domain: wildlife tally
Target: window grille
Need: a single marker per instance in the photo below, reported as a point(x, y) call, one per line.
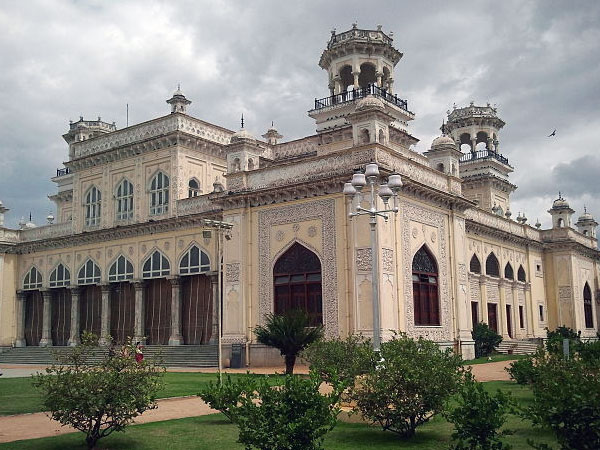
point(89, 273)
point(60, 276)
point(475, 265)
point(492, 267)
point(124, 199)
point(157, 265)
point(194, 261)
point(159, 194)
point(121, 269)
point(33, 279)
point(92, 205)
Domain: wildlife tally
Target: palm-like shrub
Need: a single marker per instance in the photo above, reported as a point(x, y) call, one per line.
point(290, 333)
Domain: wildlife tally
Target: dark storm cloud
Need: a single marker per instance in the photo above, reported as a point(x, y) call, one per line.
point(538, 61)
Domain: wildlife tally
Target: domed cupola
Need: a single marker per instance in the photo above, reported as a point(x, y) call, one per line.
point(444, 154)
point(178, 102)
point(561, 213)
point(243, 152)
point(586, 224)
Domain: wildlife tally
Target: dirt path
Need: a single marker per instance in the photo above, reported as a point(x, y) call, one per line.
point(37, 425)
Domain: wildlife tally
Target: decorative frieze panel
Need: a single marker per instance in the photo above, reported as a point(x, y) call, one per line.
point(195, 205)
point(387, 260)
point(364, 260)
point(565, 293)
point(323, 210)
point(416, 213)
point(232, 272)
point(493, 295)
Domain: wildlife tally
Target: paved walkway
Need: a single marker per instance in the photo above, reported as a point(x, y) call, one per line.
point(37, 425)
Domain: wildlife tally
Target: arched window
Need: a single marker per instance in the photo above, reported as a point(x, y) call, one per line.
point(194, 261)
point(475, 265)
point(159, 194)
point(157, 265)
point(561, 222)
point(425, 288)
point(89, 273)
point(521, 274)
point(508, 272)
point(124, 197)
point(60, 276)
point(193, 188)
point(250, 164)
point(33, 279)
point(367, 75)
point(587, 306)
point(297, 283)
point(492, 267)
point(92, 204)
point(121, 269)
point(440, 167)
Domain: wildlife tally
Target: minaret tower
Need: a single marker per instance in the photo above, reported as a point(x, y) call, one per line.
point(483, 169)
point(359, 63)
point(561, 213)
point(178, 102)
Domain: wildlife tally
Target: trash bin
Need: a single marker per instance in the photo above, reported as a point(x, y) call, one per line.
point(237, 356)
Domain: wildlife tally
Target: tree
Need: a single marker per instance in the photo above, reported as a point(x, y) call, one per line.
point(99, 398)
point(554, 343)
point(477, 417)
point(289, 333)
point(486, 339)
point(411, 384)
point(293, 416)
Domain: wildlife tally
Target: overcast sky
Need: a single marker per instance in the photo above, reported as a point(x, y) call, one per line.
point(539, 61)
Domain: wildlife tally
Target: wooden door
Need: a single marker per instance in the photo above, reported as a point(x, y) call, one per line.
point(509, 321)
point(475, 313)
point(122, 312)
point(90, 309)
point(34, 311)
point(60, 326)
point(196, 309)
point(157, 301)
point(493, 316)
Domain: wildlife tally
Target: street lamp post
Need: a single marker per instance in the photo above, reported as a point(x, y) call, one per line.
point(222, 229)
point(354, 190)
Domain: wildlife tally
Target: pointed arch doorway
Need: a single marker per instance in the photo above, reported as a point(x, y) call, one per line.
point(298, 284)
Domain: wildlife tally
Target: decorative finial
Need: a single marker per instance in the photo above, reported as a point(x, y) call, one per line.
point(584, 209)
point(30, 216)
point(178, 86)
point(443, 127)
point(242, 120)
point(272, 124)
point(559, 196)
point(354, 25)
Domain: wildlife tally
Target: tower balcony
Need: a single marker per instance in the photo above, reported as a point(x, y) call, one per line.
point(356, 94)
point(482, 155)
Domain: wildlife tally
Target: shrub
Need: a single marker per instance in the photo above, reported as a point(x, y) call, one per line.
point(290, 333)
point(293, 416)
point(409, 386)
point(340, 359)
point(554, 342)
point(478, 417)
point(567, 400)
point(98, 398)
point(589, 352)
point(226, 396)
point(486, 339)
point(522, 371)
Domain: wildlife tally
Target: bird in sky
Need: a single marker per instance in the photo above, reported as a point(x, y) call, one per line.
point(553, 133)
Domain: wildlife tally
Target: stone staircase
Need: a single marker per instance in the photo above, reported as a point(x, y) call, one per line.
point(172, 356)
point(519, 347)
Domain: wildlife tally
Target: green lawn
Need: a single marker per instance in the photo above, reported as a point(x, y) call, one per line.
point(214, 432)
point(494, 358)
point(18, 396)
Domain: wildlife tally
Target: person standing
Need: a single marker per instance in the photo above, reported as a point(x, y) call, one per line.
point(139, 354)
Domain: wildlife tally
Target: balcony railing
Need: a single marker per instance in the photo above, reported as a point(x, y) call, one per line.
point(61, 172)
point(484, 154)
point(349, 96)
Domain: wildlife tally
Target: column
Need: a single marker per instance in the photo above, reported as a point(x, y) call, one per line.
point(503, 330)
point(516, 304)
point(473, 144)
point(390, 85)
point(176, 338)
point(337, 87)
point(46, 340)
point(20, 316)
point(355, 74)
point(484, 299)
point(74, 335)
point(139, 311)
point(105, 315)
point(379, 76)
point(532, 311)
point(214, 280)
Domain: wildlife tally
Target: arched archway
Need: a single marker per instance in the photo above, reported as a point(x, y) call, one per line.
point(367, 75)
point(508, 272)
point(475, 265)
point(587, 306)
point(425, 288)
point(297, 283)
point(492, 267)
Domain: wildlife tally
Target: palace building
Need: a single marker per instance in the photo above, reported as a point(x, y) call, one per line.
point(145, 214)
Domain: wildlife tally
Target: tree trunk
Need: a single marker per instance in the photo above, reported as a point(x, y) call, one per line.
point(91, 440)
point(290, 360)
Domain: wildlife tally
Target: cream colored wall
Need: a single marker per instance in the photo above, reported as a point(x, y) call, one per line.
point(8, 298)
point(204, 168)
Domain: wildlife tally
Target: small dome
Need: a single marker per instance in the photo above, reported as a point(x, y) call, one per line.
point(369, 102)
point(443, 140)
point(586, 216)
point(241, 135)
point(560, 203)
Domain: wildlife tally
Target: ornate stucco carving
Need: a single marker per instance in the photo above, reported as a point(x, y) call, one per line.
point(411, 212)
point(565, 293)
point(323, 210)
point(363, 259)
point(387, 260)
point(232, 272)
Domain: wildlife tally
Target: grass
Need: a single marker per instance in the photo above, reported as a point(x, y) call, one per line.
point(18, 396)
point(214, 432)
point(494, 358)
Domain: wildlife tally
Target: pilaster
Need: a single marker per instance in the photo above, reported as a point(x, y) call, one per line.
point(503, 317)
point(176, 338)
point(483, 295)
point(214, 281)
point(46, 340)
point(105, 315)
point(74, 335)
point(20, 316)
point(138, 285)
point(532, 312)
